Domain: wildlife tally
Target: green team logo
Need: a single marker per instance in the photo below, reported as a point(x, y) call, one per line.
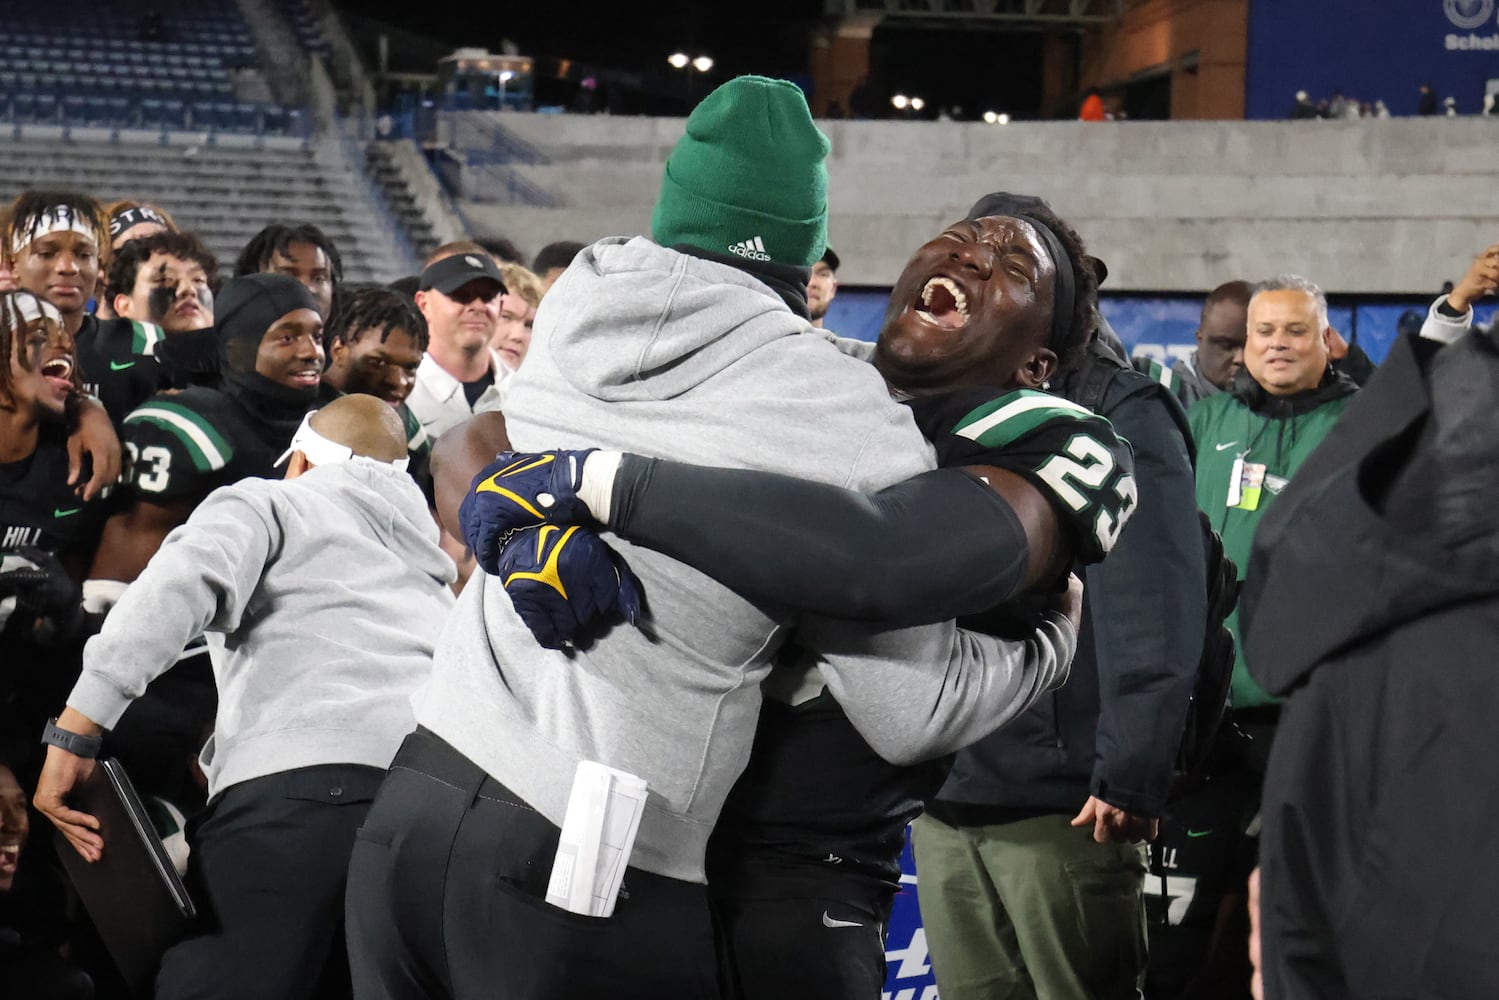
point(119, 366)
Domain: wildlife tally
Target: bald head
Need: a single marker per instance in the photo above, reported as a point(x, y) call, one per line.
point(366, 425)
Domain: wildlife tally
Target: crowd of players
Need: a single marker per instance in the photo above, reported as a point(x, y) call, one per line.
point(144, 605)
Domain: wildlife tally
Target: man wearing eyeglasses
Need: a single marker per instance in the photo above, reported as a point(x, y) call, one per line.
point(459, 376)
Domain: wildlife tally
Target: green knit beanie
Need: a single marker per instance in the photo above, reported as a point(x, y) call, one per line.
point(748, 177)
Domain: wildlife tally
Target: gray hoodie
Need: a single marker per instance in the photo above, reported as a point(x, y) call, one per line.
point(322, 598)
point(645, 349)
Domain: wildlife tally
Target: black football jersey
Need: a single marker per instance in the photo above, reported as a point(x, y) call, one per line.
point(39, 509)
point(37, 506)
point(846, 811)
point(1068, 452)
point(184, 445)
point(117, 358)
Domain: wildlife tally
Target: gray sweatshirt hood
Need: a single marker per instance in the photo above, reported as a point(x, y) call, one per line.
point(391, 505)
point(640, 321)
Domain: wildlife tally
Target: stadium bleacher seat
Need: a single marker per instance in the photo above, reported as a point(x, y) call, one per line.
point(88, 65)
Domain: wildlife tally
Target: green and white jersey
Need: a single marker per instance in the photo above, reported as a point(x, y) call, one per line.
point(1068, 452)
point(184, 445)
point(117, 359)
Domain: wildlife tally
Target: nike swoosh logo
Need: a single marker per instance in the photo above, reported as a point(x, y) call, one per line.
point(1194, 834)
point(59, 512)
point(828, 921)
point(116, 366)
point(1224, 447)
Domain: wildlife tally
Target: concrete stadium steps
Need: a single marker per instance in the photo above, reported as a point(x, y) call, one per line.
point(1368, 206)
point(225, 195)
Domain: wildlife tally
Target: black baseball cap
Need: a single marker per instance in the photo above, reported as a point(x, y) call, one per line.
point(452, 273)
point(830, 258)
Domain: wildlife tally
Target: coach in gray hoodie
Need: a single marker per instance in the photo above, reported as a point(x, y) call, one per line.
point(693, 345)
point(321, 597)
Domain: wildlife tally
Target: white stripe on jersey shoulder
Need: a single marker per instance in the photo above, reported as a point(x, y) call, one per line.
point(1025, 404)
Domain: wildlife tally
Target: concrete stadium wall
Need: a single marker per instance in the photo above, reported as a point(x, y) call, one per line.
point(1396, 205)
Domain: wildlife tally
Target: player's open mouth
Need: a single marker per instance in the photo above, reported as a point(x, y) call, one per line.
point(59, 372)
point(943, 303)
point(308, 376)
point(10, 857)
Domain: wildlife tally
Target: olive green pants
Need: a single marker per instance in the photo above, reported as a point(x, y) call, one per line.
point(1031, 910)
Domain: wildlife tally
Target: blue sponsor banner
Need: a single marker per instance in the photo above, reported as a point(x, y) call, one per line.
point(1374, 51)
point(909, 967)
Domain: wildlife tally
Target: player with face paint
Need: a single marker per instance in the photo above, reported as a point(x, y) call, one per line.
point(128, 220)
point(161, 287)
point(47, 533)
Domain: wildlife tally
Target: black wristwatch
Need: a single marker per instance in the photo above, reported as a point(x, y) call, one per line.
point(74, 743)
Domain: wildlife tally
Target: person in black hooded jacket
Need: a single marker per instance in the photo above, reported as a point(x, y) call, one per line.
point(182, 446)
point(1372, 606)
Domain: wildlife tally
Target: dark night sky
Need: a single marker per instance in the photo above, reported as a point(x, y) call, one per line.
point(972, 67)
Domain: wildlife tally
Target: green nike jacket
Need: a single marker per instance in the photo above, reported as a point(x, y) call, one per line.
point(1276, 432)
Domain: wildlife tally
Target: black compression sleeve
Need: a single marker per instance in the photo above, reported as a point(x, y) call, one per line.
point(934, 547)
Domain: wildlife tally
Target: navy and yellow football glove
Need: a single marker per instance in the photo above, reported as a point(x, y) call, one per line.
point(564, 581)
point(518, 491)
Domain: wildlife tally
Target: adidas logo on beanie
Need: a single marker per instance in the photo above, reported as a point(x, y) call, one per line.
point(751, 162)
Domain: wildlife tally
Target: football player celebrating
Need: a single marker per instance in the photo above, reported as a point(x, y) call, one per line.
point(981, 320)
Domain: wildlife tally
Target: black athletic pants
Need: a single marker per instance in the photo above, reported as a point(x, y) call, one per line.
point(447, 894)
point(823, 938)
point(267, 872)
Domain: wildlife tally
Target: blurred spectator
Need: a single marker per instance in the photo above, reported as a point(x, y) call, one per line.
point(1338, 106)
point(512, 337)
point(299, 251)
point(1449, 107)
point(501, 249)
point(128, 220)
point(1221, 331)
point(1092, 109)
point(132, 220)
point(1303, 108)
point(1490, 104)
point(29, 968)
point(552, 259)
point(1427, 104)
point(822, 286)
point(1380, 110)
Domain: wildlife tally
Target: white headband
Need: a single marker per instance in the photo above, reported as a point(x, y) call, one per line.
point(33, 309)
point(57, 219)
point(320, 451)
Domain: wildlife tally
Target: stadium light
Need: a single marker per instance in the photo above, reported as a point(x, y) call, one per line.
point(702, 64)
point(1004, 119)
point(900, 101)
point(917, 104)
point(678, 60)
point(991, 118)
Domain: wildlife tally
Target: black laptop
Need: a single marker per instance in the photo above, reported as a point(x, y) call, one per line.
point(137, 902)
